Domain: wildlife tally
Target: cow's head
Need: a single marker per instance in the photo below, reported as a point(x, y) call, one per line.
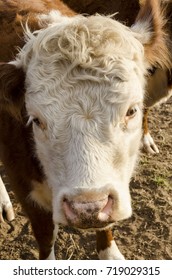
point(84, 87)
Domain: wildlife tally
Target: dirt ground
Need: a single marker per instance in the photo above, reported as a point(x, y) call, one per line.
point(146, 235)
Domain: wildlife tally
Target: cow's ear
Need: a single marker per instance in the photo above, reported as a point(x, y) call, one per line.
point(150, 29)
point(12, 81)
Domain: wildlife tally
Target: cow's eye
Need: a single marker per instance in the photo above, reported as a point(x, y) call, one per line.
point(37, 121)
point(131, 112)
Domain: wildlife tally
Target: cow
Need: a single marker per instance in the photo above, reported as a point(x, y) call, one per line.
point(71, 119)
point(159, 79)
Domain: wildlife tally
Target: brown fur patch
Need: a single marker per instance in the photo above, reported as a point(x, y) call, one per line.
point(157, 87)
point(108, 7)
point(11, 89)
point(22, 167)
point(14, 14)
point(104, 239)
point(145, 121)
point(169, 75)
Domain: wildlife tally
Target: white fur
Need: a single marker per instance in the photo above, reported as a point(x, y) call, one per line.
point(82, 76)
point(51, 255)
point(5, 203)
point(111, 253)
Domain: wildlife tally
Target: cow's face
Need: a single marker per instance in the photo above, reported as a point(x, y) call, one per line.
point(84, 92)
point(87, 134)
point(85, 105)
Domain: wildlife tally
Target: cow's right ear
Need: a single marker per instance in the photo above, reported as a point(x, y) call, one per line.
point(12, 80)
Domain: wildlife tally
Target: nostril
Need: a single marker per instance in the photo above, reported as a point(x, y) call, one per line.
point(68, 210)
point(104, 214)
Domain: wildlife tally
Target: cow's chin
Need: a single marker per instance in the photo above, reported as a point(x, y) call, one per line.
point(94, 228)
point(90, 229)
point(94, 225)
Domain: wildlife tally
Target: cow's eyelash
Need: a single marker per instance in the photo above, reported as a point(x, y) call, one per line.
point(30, 120)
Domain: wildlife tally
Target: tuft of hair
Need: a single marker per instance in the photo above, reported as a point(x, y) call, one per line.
point(84, 41)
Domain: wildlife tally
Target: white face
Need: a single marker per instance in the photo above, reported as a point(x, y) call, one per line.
point(87, 130)
point(87, 142)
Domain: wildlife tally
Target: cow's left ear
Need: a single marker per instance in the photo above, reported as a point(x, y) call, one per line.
point(150, 29)
point(12, 81)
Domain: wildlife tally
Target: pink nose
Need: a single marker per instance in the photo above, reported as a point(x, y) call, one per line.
point(88, 214)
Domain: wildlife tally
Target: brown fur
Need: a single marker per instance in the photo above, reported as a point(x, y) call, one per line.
point(145, 122)
point(157, 88)
point(15, 12)
point(104, 239)
point(108, 7)
point(12, 89)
